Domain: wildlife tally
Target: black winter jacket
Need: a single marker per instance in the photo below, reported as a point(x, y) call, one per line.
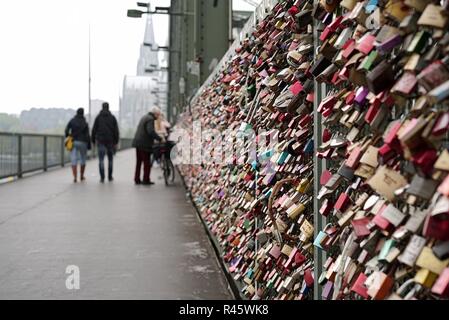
point(145, 133)
point(105, 130)
point(78, 128)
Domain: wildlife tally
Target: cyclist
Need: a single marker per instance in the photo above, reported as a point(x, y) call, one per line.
point(161, 151)
point(162, 127)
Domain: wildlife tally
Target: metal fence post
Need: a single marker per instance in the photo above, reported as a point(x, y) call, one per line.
point(44, 155)
point(19, 156)
point(318, 165)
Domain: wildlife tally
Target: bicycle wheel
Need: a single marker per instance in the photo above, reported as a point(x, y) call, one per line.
point(168, 170)
point(163, 167)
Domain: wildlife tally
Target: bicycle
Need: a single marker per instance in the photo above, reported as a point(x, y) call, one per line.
point(162, 152)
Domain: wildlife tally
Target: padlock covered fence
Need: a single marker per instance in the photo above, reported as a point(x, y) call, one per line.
point(323, 161)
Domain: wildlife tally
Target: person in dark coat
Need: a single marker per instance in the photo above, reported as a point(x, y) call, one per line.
point(143, 142)
point(105, 134)
point(78, 128)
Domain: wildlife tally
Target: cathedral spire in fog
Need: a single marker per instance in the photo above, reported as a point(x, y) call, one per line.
point(148, 58)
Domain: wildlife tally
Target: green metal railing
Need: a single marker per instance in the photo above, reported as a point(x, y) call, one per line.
point(22, 153)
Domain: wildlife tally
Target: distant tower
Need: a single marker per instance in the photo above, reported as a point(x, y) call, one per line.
point(136, 100)
point(142, 91)
point(148, 58)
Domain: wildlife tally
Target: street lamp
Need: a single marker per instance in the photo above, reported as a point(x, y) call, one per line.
point(159, 48)
point(161, 10)
point(132, 13)
point(135, 13)
point(156, 70)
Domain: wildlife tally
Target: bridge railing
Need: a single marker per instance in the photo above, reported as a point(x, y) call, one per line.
point(22, 153)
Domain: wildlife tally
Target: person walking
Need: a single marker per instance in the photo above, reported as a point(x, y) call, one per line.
point(143, 142)
point(105, 134)
point(78, 129)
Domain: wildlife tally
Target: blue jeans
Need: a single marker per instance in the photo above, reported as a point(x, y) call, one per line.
point(104, 150)
point(78, 153)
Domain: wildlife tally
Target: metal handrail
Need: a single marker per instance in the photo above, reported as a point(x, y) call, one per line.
point(22, 153)
point(29, 134)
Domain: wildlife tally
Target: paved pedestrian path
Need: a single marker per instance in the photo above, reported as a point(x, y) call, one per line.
point(129, 242)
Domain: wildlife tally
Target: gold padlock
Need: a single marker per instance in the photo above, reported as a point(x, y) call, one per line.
point(302, 186)
point(425, 277)
point(294, 211)
point(427, 260)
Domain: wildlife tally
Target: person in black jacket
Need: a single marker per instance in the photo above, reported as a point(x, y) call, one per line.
point(105, 134)
point(78, 128)
point(143, 142)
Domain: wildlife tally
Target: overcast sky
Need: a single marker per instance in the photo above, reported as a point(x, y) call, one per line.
point(44, 50)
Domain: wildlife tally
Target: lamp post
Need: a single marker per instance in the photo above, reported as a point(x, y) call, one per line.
point(157, 69)
point(146, 9)
point(160, 48)
point(134, 13)
point(90, 84)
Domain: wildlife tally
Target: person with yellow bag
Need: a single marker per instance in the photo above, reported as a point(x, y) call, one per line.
point(78, 142)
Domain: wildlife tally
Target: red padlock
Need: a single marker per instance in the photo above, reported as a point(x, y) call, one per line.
point(437, 226)
point(326, 136)
point(343, 202)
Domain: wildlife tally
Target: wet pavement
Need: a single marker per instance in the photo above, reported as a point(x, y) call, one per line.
point(129, 242)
